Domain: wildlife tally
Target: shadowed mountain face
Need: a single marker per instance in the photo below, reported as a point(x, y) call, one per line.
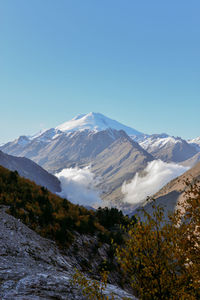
point(28, 169)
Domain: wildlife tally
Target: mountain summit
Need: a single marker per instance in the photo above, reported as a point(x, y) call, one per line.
point(95, 122)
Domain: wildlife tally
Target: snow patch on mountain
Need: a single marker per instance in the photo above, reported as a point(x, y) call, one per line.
point(46, 136)
point(151, 180)
point(78, 186)
point(195, 142)
point(22, 140)
point(39, 133)
point(157, 141)
point(95, 122)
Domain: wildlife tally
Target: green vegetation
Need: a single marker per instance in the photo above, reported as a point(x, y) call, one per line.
point(160, 259)
point(54, 217)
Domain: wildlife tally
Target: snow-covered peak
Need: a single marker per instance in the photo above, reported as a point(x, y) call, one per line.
point(94, 122)
point(157, 141)
point(47, 135)
point(22, 140)
point(195, 142)
point(39, 133)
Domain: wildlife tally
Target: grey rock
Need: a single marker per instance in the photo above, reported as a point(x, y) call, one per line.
point(114, 156)
point(32, 267)
point(167, 148)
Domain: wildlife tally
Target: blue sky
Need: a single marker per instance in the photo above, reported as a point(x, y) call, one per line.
point(135, 61)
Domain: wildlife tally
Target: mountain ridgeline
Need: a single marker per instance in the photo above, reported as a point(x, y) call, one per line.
point(114, 151)
point(111, 153)
point(30, 170)
point(43, 237)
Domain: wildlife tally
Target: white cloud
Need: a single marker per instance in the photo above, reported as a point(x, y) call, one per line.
point(78, 186)
point(152, 179)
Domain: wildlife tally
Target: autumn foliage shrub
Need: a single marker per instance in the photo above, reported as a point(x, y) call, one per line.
point(160, 258)
point(52, 216)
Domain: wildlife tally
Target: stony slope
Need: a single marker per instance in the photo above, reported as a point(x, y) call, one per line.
point(65, 149)
point(32, 267)
point(195, 142)
point(29, 169)
point(169, 196)
point(114, 156)
point(95, 139)
point(167, 148)
point(117, 163)
point(191, 161)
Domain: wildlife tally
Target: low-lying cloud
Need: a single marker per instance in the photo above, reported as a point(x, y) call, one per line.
point(152, 179)
point(78, 186)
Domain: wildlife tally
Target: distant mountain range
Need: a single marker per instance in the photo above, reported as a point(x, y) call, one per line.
point(168, 148)
point(114, 151)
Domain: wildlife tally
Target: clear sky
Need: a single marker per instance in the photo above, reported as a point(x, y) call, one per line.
point(135, 61)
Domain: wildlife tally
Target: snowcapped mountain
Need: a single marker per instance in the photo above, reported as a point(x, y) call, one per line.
point(157, 141)
point(195, 142)
point(167, 148)
point(162, 146)
point(112, 154)
point(91, 122)
point(114, 150)
point(95, 122)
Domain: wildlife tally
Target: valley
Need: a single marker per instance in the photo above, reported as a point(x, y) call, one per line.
point(45, 237)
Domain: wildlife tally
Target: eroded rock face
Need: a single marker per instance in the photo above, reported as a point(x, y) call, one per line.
point(32, 267)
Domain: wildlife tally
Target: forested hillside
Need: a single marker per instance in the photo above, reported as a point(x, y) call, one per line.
point(55, 217)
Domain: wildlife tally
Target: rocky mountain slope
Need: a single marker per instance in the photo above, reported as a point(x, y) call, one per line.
point(191, 162)
point(115, 152)
point(64, 149)
point(195, 142)
point(32, 267)
point(118, 163)
point(167, 148)
point(169, 196)
point(29, 169)
point(112, 154)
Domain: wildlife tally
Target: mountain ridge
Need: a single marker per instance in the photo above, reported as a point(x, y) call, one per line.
point(173, 193)
point(89, 139)
point(30, 170)
point(167, 148)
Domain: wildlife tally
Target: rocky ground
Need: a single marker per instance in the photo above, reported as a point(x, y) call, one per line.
point(32, 267)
